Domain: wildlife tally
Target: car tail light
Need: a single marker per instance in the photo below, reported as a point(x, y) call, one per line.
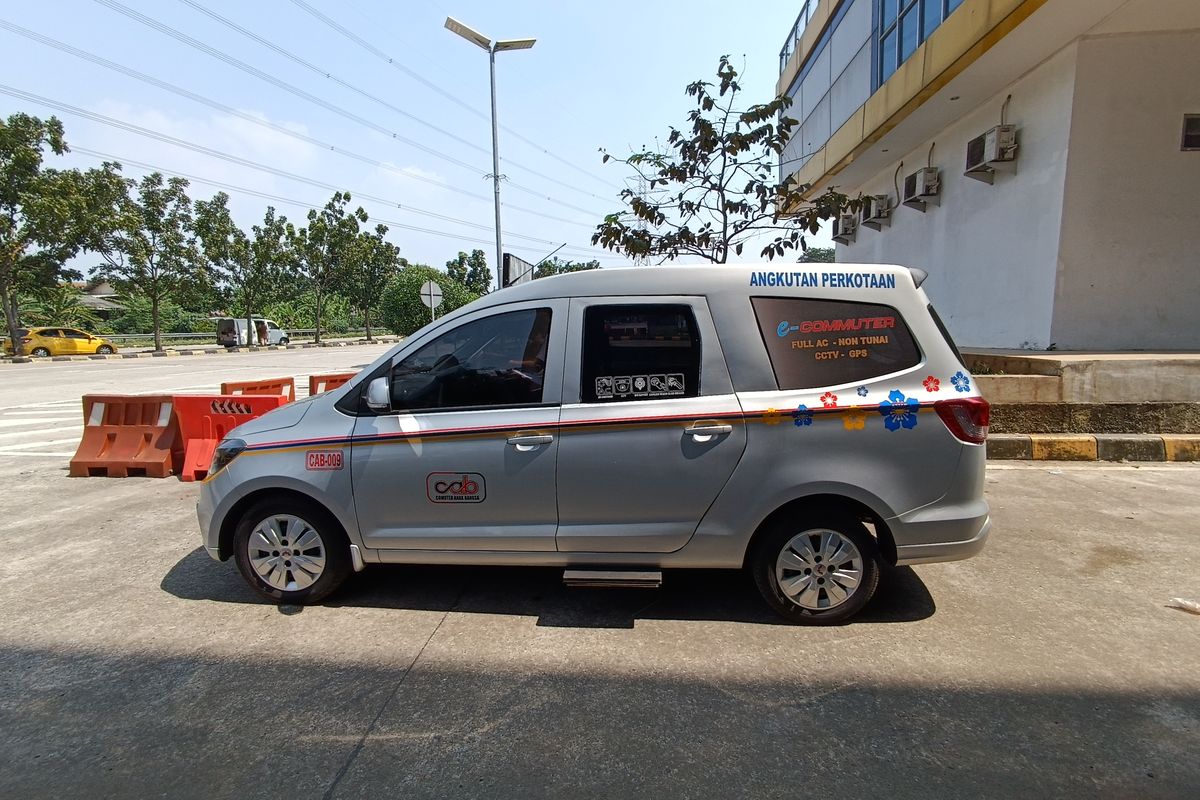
point(967, 418)
point(25, 340)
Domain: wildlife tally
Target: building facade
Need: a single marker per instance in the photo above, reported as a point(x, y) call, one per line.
point(1083, 233)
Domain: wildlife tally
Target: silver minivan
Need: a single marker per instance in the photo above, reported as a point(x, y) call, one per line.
point(807, 423)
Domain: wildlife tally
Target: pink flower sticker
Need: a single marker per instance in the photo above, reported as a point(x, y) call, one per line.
point(932, 384)
point(829, 400)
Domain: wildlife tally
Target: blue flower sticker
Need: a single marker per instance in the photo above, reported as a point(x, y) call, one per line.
point(862, 391)
point(961, 381)
point(899, 411)
point(802, 416)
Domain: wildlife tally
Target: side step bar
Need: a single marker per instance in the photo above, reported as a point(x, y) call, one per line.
point(630, 579)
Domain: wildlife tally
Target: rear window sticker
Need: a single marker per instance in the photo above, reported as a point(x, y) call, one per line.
point(641, 385)
point(604, 387)
point(622, 385)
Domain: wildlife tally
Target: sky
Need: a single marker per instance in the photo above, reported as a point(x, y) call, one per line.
point(398, 115)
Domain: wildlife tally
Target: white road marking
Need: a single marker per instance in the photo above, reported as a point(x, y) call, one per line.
point(50, 455)
point(58, 429)
point(66, 412)
point(13, 448)
point(13, 423)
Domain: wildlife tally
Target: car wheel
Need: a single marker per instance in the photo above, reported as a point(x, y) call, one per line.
point(105, 350)
point(291, 551)
point(817, 572)
point(39, 352)
point(284, 340)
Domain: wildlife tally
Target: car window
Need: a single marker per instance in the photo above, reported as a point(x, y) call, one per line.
point(272, 326)
point(49, 332)
point(814, 343)
point(639, 352)
point(495, 361)
point(71, 333)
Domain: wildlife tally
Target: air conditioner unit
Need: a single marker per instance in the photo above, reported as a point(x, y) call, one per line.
point(922, 187)
point(844, 226)
point(996, 148)
point(876, 211)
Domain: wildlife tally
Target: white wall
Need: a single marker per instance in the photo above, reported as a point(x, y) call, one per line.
point(991, 251)
point(1129, 269)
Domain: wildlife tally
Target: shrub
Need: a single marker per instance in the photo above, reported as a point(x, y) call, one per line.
point(401, 309)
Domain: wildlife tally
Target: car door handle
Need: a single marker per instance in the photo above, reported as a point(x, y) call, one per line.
point(700, 429)
point(530, 441)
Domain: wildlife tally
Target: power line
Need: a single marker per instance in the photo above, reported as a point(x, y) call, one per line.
point(99, 60)
point(375, 51)
point(220, 55)
point(327, 74)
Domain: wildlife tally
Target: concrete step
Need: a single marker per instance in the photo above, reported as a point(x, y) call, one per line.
point(1020, 388)
point(1093, 447)
point(1095, 418)
point(1088, 377)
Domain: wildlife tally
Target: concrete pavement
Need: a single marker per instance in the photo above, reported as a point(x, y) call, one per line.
point(133, 665)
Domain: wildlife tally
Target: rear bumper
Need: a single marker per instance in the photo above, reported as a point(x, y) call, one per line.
point(951, 540)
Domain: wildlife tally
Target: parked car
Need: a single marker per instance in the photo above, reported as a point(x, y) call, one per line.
point(44, 342)
point(232, 332)
point(806, 424)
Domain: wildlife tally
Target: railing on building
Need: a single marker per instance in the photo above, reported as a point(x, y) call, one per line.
point(793, 41)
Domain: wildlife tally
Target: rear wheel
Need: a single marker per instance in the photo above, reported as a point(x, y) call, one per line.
point(105, 350)
point(39, 352)
point(817, 572)
point(291, 551)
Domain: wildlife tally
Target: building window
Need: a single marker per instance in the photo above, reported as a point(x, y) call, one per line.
point(1191, 132)
point(904, 25)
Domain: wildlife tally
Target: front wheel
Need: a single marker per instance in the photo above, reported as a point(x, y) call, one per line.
point(39, 352)
point(105, 350)
point(284, 340)
point(291, 551)
point(819, 572)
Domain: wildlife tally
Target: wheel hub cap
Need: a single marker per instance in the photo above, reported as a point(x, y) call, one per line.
point(819, 569)
point(286, 552)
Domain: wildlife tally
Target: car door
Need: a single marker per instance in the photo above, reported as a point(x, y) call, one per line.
point(53, 340)
point(75, 341)
point(651, 428)
point(465, 458)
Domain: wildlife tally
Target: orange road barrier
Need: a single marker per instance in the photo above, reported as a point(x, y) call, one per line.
point(126, 435)
point(283, 386)
point(323, 383)
point(204, 420)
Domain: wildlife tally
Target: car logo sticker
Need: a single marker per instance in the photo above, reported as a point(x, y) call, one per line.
point(455, 487)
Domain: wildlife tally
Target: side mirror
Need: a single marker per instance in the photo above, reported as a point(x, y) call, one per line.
point(379, 395)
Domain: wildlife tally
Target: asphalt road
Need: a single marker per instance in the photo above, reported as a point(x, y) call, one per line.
point(131, 665)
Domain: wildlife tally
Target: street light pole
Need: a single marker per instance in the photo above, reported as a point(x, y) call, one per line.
point(496, 172)
point(475, 37)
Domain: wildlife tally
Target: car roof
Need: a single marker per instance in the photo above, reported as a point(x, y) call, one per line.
point(672, 279)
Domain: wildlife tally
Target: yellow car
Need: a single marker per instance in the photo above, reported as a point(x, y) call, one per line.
point(43, 342)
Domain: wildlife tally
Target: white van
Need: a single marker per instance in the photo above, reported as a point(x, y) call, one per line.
point(232, 332)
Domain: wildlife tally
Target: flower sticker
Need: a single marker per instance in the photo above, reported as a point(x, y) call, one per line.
point(802, 416)
point(932, 384)
point(961, 381)
point(772, 416)
point(829, 400)
point(899, 411)
point(862, 391)
point(854, 420)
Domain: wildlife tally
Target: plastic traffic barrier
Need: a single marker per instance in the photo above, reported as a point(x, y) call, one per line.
point(204, 420)
point(126, 435)
point(323, 383)
point(283, 386)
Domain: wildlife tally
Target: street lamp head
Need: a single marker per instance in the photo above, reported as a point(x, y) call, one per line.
point(468, 33)
point(514, 44)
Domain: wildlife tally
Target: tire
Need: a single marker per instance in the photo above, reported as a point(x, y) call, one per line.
point(790, 547)
point(263, 530)
point(284, 340)
point(39, 352)
point(104, 350)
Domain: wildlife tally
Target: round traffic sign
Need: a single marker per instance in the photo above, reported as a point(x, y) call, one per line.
point(431, 294)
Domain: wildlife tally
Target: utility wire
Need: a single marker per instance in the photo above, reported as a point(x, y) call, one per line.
point(220, 55)
point(375, 51)
point(95, 59)
point(374, 98)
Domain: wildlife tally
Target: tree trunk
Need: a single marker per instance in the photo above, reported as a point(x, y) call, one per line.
point(154, 318)
point(12, 322)
point(367, 322)
point(317, 293)
point(251, 331)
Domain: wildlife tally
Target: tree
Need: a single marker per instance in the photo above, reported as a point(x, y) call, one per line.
point(373, 262)
point(401, 308)
point(251, 268)
point(557, 266)
point(819, 255)
point(471, 271)
point(148, 248)
point(321, 249)
point(46, 216)
point(60, 305)
point(713, 188)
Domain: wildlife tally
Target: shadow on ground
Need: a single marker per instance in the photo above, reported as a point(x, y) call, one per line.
point(714, 595)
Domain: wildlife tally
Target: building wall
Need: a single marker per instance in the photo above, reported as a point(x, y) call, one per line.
point(1129, 261)
point(990, 251)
